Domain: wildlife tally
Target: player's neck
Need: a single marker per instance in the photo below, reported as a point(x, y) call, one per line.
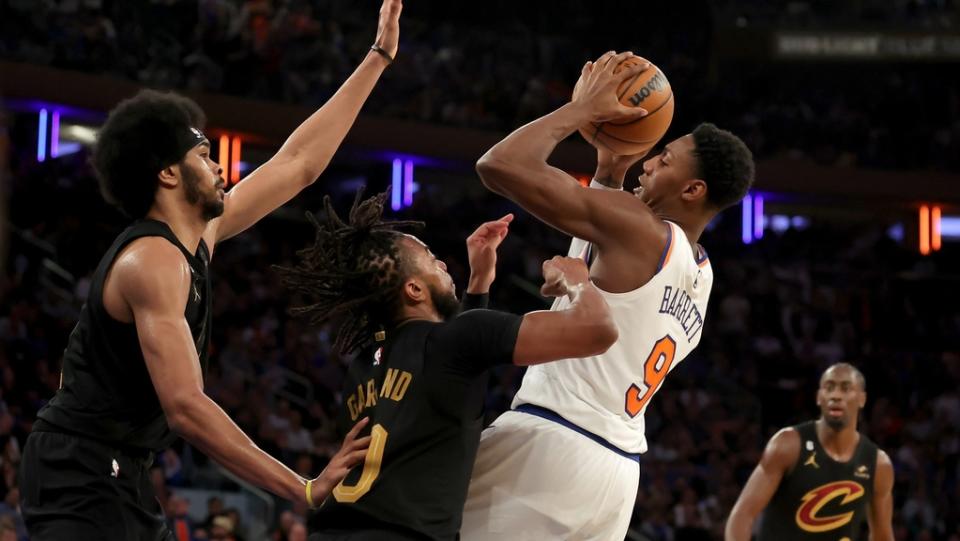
point(419, 312)
point(692, 226)
point(838, 443)
point(183, 220)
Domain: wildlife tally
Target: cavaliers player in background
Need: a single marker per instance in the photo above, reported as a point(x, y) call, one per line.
point(133, 369)
point(820, 479)
point(564, 463)
point(421, 371)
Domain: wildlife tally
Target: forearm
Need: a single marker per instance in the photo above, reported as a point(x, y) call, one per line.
point(206, 426)
point(583, 329)
point(738, 529)
point(529, 147)
point(590, 313)
point(479, 284)
point(316, 140)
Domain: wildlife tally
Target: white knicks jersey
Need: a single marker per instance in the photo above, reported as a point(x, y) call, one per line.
point(659, 323)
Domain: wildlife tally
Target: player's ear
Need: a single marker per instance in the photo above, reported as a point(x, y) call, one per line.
point(695, 189)
point(414, 290)
point(863, 399)
point(169, 176)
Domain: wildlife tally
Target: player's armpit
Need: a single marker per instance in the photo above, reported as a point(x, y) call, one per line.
point(780, 455)
point(880, 510)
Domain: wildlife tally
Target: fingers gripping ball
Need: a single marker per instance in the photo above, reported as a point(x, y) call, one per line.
point(651, 90)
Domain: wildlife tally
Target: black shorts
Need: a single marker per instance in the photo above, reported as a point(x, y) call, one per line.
point(76, 488)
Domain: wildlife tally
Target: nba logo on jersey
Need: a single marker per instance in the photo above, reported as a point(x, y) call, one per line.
point(377, 355)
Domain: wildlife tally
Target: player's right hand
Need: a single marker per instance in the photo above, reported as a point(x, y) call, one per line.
point(352, 452)
point(596, 90)
point(562, 273)
point(388, 28)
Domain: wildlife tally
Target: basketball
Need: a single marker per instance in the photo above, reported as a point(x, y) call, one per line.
point(650, 90)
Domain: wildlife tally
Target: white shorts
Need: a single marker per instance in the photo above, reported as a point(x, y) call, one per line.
point(536, 479)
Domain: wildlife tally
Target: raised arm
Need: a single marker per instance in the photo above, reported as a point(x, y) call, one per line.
point(880, 512)
point(780, 455)
point(154, 280)
point(517, 167)
point(583, 329)
point(308, 150)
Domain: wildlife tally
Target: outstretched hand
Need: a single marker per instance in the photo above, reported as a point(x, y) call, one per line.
point(596, 90)
point(388, 28)
point(482, 247)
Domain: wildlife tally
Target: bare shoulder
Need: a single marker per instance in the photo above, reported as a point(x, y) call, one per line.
point(883, 460)
point(783, 449)
point(634, 240)
point(149, 268)
point(884, 478)
point(639, 212)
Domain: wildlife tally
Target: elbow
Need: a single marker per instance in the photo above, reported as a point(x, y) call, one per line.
point(492, 169)
point(738, 527)
point(310, 172)
point(181, 416)
point(603, 335)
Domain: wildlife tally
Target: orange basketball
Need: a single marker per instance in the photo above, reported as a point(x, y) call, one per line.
point(649, 90)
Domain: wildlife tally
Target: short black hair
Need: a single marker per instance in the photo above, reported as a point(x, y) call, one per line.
point(353, 270)
point(725, 163)
point(857, 374)
point(142, 135)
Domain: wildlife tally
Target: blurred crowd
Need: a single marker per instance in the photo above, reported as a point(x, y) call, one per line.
point(510, 62)
point(782, 309)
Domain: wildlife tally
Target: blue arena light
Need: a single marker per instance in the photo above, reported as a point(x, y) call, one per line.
point(747, 225)
point(55, 135)
point(408, 183)
point(758, 217)
point(42, 136)
point(396, 194)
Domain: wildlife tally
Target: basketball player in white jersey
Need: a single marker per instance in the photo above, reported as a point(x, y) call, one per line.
point(564, 462)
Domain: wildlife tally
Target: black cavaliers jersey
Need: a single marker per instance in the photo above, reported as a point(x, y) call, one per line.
point(822, 498)
point(424, 392)
point(106, 392)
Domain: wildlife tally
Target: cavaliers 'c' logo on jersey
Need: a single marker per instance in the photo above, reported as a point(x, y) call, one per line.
point(808, 515)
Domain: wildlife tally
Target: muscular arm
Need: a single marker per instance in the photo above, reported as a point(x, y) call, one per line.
point(880, 512)
point(584, 329)
point(780, 455)
point(517, 169)
point(154, 280)
point(308, 150)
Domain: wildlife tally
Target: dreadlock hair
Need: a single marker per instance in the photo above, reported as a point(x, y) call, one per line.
point(353, 270)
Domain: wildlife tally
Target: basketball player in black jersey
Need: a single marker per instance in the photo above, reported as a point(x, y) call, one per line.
point(820, 479)
point(421, 370)
point(133, 369)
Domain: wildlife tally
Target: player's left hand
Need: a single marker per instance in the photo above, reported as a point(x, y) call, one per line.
point(388, 28)
point(482, 247)
point(596, 91)
point(352, 452)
